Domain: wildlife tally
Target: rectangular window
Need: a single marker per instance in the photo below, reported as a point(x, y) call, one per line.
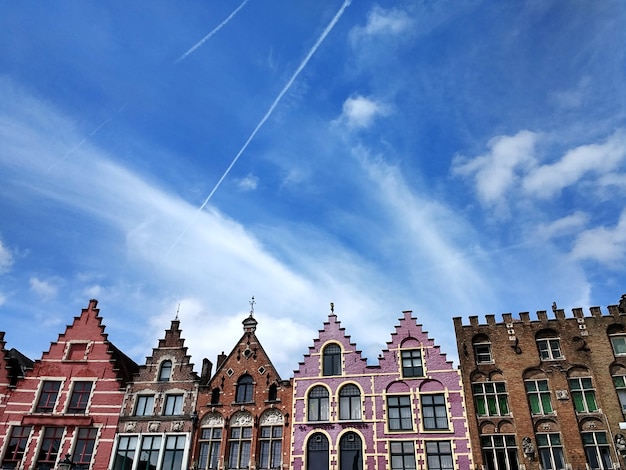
point(271, 447)
point(583, 394)
point(619, 345)
point(83, 452)
point(402, 455)
point(145, 405)
point(549, 349)
point(490, 398)
point(149, 455)
point(49, 450)
point(538, 394)
point(412, 363)
point(439, 455)
point(125, 453)
point(239, 447)
point(173, 405)
point(210, 441)
point(597, 450)
point(434, 412)
point(17, 445)
point(48, 396)
point(620, 386)
point(174, 450)
point(399, 415)
point(550, 451)
point(80, 397)
point(482, 352)
point(499, 452)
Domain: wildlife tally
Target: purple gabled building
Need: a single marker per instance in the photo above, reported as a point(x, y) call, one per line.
point(407, 412)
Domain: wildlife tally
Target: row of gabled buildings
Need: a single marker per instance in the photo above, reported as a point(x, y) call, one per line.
point(544, 393)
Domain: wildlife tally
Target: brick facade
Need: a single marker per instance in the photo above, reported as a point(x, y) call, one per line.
point(542, 390)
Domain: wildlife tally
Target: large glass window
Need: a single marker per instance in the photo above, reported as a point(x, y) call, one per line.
point(210, 442)
point(499, 452)
point(49, 450)
point(125, 453)
point(173, 405)
point(538, 394)
point(550, 451)
point(244, 389)
point(549, 349)
point(399, 415)
point(271, 439)
point(80, 397)
point(350, 402)
point(434, 412)
point(620, 386)
point(48, 396)
point(83, 452)
point(583, 394)
point(173, 454)
point(412, 363)
point(332, 360)
point(17, 445)
point(145, 405)
point(239, 447)
point(597, 450)
point(318, 404)
point(317, 452)
point(402, 455)
point(439, 455)
point(490, 398)
point(350, 457)
point(165, 372)
point(149, 455)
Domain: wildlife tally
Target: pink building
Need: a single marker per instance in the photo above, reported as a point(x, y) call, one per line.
point(69, 403)
point(407, 412)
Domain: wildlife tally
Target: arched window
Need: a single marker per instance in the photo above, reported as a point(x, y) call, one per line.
point(350, 402)
point(332, 360)
point(318, 404)
point(617, 335)
point(215, 396)
point(317, 452)
point(273, 393)
point(350, 457)
point(165, 372)
point(244, 389)
point(482, 349)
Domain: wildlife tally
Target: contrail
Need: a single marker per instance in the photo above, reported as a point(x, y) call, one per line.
point(269, 112)
point(215, 30)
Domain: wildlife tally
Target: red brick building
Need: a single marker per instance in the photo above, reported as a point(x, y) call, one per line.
point(244, 411)
point(69, 402)
point(158, 417)
point(548, 392)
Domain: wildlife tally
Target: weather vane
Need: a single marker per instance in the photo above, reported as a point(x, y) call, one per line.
point(332, 307)
point(177, 310)
point(252, 302)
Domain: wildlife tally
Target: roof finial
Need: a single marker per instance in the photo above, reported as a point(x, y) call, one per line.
point(332, 307)
point(252, 302)
point(177, 310)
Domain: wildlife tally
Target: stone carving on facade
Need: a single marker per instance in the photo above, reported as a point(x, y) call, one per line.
point(241, 419)
point(213, 420)
point(130, 426)
point(620, 444)
point(529, 448)
point(272, 418)
point(153, 426)
point(177, 426)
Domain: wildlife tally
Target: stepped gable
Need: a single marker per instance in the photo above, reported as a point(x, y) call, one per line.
point(13, 366)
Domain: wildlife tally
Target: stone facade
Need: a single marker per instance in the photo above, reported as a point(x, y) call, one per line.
point(548, 392)
point(69, 403)
point(244, 410)
point(406, 410)
point(158, 417)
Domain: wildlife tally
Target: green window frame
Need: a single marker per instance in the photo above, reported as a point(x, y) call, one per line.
point(491, 398)
point(538, 393)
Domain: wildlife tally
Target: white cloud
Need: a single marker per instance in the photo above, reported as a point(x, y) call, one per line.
point(6, 258)
point(249, 183)
point(43, 288)
point(605, 245)
point(547, 180)
point(563, 226)
point(360, 112)
point(495, 172)
point(382, 21)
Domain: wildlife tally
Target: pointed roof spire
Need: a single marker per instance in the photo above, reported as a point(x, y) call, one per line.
point(249, 324)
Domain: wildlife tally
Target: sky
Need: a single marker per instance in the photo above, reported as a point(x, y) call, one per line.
point(449, 157)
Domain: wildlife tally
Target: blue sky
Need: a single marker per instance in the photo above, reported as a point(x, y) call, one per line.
point(453, 158)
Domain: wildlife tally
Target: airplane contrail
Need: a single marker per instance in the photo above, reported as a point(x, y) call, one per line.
point(215, 30)
point(269, 112)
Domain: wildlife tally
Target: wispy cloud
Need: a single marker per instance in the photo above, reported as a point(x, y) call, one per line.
point(43, 288)
point(568, 225)
point(360, 112)
point(6, 258)
point(606, 245)
point(248, 183)
point(381, 21)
